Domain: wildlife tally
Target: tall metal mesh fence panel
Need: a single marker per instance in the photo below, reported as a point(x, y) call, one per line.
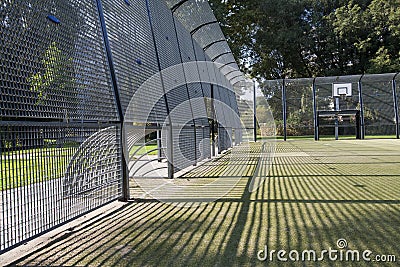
point(54, 71)
point(299, 107)
point(134, 57)
point(245, 106)
point(223, 117)
point(60, 141)
point(379, 111)
point(396, 86)
point(355, 105)
point(272, 91)
point(177, 95)
point(85, 85)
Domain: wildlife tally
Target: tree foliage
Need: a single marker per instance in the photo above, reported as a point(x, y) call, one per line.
point(303, 38)
point(58, 68)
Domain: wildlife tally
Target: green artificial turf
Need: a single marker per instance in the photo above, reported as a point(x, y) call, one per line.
point(314, 194)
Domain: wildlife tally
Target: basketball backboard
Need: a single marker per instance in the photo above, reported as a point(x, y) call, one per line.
point(341, 89)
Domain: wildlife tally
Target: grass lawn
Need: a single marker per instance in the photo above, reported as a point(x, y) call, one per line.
point(143, 150)
point(315, 194)
point(23, 167)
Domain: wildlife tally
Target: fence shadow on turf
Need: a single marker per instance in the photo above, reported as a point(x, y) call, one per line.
point(292, 211)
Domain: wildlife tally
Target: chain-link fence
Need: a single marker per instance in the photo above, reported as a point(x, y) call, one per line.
point(84, 84)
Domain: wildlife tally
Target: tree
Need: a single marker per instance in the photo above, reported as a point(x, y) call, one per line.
point(304, 38)
point(56, 77)
point(262, 34)
point(372, 33)
point(274, 39)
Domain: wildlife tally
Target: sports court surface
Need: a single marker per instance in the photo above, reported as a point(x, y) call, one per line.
point(315, 194)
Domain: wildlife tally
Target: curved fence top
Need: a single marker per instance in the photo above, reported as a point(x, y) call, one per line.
point(198, 18)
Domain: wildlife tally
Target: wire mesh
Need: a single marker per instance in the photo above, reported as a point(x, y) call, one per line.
point(396, 97)
point(379, 112)
point(82, 81)
point(48, 70)
point(299, 111)
point(133, 52)
point(47, 176)
point(375, 96)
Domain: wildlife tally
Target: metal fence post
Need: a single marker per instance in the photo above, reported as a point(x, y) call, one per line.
point(213, 122)
point(360, 95)
point(396, 105)
point(316, 126)
point(284, 110)
point(255, 111)
point(337, 108)
point(124, 165)
point(159, 144)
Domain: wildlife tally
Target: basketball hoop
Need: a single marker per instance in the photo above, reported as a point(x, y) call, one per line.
point(342, 90)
